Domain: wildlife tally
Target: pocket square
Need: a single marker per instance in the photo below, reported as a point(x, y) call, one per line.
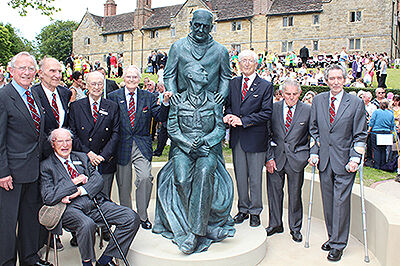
point(255, 95)
point(103, 112)
point(145, 109)
point(302, 123)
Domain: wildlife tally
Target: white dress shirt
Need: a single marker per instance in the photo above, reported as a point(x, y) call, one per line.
point(62, 160)
point(91, 101)
point(49, 95)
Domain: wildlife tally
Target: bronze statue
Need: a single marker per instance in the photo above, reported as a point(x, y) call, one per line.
point(194, 190)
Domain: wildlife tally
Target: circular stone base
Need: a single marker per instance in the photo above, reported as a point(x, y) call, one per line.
point(247, 247)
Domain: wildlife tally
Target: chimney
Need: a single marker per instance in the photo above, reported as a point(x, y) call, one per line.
point(110, 8)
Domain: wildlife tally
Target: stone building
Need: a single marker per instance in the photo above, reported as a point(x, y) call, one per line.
point(324, 26)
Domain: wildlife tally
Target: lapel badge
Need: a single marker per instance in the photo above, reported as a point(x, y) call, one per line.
point(76, 162)
point(103, 112)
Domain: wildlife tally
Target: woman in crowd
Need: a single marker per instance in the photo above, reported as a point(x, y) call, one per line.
point(308, 97)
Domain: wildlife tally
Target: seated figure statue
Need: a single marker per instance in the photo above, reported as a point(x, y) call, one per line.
point(194, 190)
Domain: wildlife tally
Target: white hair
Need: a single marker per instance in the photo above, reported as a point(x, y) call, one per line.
point(132, 67)
point(15, 57)
point(57, 130)
point(248, 53)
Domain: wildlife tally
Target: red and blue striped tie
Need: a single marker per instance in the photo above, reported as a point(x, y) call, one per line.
point(332, 110)
point(245, 87)
point(34, 111)
point(132, 109)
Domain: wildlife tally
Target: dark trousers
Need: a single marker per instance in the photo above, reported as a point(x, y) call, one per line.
point(379, 153)
point(162, 138)
point(19, 206)
point(382, 81)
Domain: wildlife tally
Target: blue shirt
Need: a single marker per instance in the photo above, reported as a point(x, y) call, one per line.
point(22, 92)
point(382, 120)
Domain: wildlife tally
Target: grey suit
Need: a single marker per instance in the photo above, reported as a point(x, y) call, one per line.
point(335, 146)
point(290, 154)
point(20, 147)
point(81, 215)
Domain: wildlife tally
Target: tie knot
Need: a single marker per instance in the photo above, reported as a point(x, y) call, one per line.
point(333, 99)
point(53, 94)
point(66, 162)
point(131, 94)
point(28, 93)
point(94, 103)
point(246, 79)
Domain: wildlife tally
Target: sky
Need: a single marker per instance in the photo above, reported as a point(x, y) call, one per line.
point(30, 25)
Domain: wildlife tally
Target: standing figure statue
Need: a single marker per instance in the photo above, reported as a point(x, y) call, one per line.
point(194, 190)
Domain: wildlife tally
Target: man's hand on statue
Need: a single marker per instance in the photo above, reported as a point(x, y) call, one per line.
point(219, 99)
point(313, 160)
point(271, 166)
point(167, 96)
point(6, 183)
point(236, 121)
point(227, 119)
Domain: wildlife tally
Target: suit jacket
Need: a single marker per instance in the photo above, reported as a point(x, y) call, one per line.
point(335, 143)
point(111, 86)
point(20, 144)
point(50, 119)
point(102, 137)
point(292, 146)
point(254, 111)
point(146, 109)
point(304, 53)
point(56, 183)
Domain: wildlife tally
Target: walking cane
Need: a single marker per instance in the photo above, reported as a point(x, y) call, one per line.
point(111, 232)
point(361, 149)
point(306, 244)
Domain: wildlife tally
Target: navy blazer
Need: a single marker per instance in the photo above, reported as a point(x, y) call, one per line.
point(254, 111)
point(146, 109)
point(50, 119)
point(101, 137)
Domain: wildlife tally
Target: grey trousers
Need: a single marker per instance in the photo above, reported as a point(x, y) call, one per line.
point(336, 195)
point(84, 219)
point(248, 168)
point(275, 183)
point(143, 182)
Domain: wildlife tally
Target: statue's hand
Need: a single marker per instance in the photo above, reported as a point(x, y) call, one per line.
point(219, 99)
point(203, 151)
point(197, 143)
point(175, 99)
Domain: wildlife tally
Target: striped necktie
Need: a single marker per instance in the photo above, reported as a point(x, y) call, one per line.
point(33, 110)
point(54, 107)
point(95, 112)
point(132, 109)
point(288, 118)
point(332, 110)
point(245, 87)
point(71, 171)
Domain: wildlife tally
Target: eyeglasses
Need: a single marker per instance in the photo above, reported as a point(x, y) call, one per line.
point(247, 61)
point(94, 84)
point(60, 141)
point(382, 92)
point(25, 68)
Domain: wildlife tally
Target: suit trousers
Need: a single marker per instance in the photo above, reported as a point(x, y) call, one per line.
point(143, 182)
point(248, 168)
point(275, 183)
point(19, 205)
point(83, 220)
point(108, 181)
point(336, 196)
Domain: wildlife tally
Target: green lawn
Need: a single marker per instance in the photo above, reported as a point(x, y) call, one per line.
point(392, 80)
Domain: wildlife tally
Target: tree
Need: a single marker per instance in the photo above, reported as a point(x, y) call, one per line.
point(5, 53)
point(55, 40)
point(44, 6)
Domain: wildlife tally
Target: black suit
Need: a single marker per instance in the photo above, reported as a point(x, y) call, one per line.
point(50, 120)
point(101, 137)
point(20, 146)
point(111, 86)
point(304, 54)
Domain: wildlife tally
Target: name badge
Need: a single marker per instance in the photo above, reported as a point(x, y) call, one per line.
point(77, 163)
point(103, 112)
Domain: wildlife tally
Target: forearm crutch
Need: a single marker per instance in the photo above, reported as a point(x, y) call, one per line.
point(306, 244)
point(111, 232)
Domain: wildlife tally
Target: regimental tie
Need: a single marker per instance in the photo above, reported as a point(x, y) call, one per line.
point(33, 110)
point(54, 107)
point(95, 112)
point(332, 110)
point(245, 87)
point(288, 118)
point(132, 109)
point(71, 171)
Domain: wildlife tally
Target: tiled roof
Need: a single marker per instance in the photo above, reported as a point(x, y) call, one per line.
point(232, 9)
point(97, 19)
point(118, 23)
point(281, 7)
point(161, 17)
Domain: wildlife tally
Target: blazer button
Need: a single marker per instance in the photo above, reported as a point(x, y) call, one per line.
point(106, 128)
point(102, 140)
point(83, 128)
point(90, 139)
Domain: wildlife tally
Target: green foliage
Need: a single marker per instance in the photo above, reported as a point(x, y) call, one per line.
point(44, 6)
point(55, 40)
point(5, 44)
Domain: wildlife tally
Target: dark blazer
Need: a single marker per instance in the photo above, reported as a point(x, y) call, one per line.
point(55, 182)
point(146, 109)
point(111, 86)
point(294, 145)
point(255, 110)
point(304, 53)
point(102, 137)
point(335, 142)
point(20, 145)
point(50, 119)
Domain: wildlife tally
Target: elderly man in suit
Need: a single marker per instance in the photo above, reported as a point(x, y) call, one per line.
point(21, 135)
point(338, 128)
point(287, 155)
point(70, 178)
point(247, 111)
point(137, 108)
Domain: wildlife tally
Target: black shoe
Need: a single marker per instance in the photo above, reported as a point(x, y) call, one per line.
point(296, 236)
point(42, 263)
point(254, 220)
point(325, 246)
point(59, 245)
point(146, 224)
point(111, 263)
point(240, 217)
point(106, 236)
point(335, 254)
point(274, 230)
point(73, 241)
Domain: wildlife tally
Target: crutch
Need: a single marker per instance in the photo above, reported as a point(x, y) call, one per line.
point(361, 150)
point(111, 232)
point(306, 244)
